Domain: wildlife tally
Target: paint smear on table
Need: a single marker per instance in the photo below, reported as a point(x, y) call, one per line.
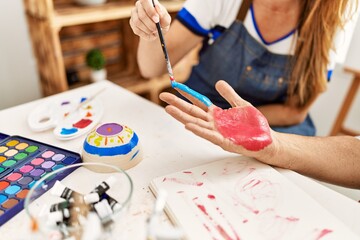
point(240, 198)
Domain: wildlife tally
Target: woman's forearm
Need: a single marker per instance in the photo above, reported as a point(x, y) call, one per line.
point(150, 58)
point(330, 159)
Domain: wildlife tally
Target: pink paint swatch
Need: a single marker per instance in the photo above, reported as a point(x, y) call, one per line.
point(245, 126)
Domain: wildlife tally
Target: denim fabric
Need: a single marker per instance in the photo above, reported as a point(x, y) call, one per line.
point(257, 75)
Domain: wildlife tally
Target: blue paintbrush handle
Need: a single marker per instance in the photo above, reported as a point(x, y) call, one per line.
point(192, 92)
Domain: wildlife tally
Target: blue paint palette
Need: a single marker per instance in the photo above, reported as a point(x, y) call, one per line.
point(22, 162)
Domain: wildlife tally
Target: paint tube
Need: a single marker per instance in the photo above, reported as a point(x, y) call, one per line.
point(58, 217)
point(60, 206)
point(64, 192)
point(115, 205)
point(95, 195)
point(104, 212)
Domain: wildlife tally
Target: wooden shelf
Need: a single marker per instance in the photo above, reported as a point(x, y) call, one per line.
point(63, 32)
point(69, 15)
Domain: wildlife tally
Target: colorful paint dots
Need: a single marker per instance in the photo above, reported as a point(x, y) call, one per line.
point(68, 131)
point(3, 198)
point(20, 156)
point(37, 172)
point(3, 149)
point(9, 163)
point(48, 164)
point(58, 157)
point(22, 194)
point(25, 180)
point(48, 154)
point(12, 189)
point(10, 152)
point(3, 185)
point(31, 149)
point(26, 168)
point(12, 143)
point(22, 146)
point(14, 176)
point(10, 203)
point(37, 161)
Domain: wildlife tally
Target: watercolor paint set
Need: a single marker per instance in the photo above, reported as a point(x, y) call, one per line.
point(22, 162)
point(69, 118)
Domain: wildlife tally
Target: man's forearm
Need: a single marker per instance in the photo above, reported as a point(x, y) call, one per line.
point(330, 159)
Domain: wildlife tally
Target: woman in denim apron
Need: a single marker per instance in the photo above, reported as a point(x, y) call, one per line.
point(257, 75)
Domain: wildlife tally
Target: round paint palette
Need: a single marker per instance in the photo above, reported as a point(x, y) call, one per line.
point(66, 117)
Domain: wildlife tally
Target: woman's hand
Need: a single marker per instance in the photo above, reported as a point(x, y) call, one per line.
point(241, 129)
point(145, 15)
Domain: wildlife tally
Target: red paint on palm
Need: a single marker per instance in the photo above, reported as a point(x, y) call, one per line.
point(245, 126)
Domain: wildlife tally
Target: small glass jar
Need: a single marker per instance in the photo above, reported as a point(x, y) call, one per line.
point(85, 204)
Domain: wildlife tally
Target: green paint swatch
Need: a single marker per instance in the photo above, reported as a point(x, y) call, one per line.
point(31, 149)
point(1, 169)
point(9, 163)
point(20, 156)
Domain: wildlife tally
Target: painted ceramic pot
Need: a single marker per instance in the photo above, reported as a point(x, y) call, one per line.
point(114, 144)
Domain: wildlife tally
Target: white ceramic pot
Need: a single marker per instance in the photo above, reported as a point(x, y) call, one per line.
point(90, 2)
point(98, 75)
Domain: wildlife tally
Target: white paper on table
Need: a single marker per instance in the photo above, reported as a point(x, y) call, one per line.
point(240, 198)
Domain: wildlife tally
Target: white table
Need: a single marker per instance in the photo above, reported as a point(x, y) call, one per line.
point(167, 148)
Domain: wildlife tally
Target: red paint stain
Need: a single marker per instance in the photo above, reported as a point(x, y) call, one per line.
point(323, 233)
point(223, 233)
point(244, 126)
point(187, 172)
point(292, 219)
point(183, 181)
point(210, 196)
point(215, 224)
point(83, 123)
point(172, 78)
point(251, 184)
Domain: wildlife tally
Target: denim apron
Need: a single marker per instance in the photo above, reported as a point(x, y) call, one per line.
point(257, 75)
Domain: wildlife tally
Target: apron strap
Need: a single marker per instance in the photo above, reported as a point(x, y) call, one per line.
point(245, 6)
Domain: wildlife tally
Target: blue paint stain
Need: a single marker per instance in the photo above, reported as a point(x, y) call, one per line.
point(112, 151)
point(82, 99)
point(68, 131)
point(135, 155)
point(205, 100)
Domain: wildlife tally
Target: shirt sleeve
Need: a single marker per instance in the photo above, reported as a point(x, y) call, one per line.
point(199, 16)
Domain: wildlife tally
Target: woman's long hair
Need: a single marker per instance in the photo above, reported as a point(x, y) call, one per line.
point(317, 27)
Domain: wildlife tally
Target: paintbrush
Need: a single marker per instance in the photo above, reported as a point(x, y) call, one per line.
point(89, 99)
point(80, 105)
point(163, 45)
point(175, 84)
